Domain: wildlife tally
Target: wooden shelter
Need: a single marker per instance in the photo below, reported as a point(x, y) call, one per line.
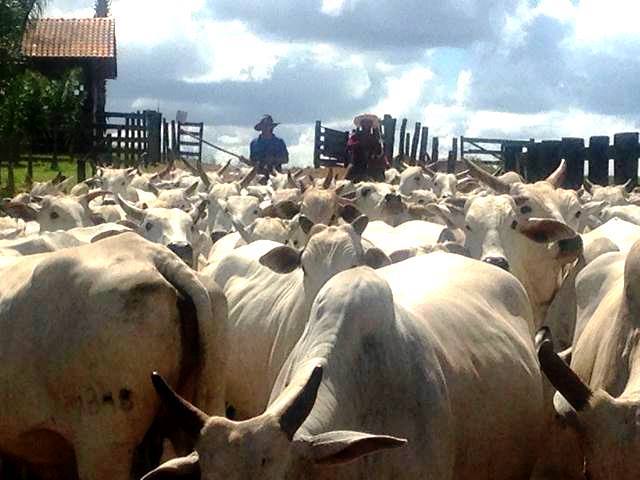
point(53, 45)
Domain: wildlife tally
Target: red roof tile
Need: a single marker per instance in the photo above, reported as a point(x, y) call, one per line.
point(68, 38)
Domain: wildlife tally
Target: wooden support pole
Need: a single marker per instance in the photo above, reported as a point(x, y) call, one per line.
point(403, 129)
point(511, 154)
point(414, 144)
point(625, 163)
point(598, 155)
point(453, 157)
point(407, 144)
point(435, 151)
point(574, 154)
point(424, 138)
point(549, 157)
point(316, 145)
point(388, 135)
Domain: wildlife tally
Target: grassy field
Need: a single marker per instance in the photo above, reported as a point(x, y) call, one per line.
point(41, 173)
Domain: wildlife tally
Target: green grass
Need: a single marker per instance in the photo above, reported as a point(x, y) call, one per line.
point(41, 172)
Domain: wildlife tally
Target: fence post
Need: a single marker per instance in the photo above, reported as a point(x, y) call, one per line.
point(389, 133)
point(548, 158)
point(424, 138)
point(407, 144)
point(599, 160)
point(414, 144)
point(435, 151)
point(574, 153)
point(510, 153)
point(625, 163)
point(403, 129)
point(316, 145)
point(153, 121)
point(453, 156)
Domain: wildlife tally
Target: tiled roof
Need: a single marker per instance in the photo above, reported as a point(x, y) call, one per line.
point(69, 38)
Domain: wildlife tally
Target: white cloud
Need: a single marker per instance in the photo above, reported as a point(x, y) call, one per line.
point(332, 7)
point(404, 89)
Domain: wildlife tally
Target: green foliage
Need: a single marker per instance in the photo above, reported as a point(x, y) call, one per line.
point(35, 106)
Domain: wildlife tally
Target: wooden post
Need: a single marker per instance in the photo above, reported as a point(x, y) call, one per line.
point(407, 145)
point(11, 179)
point(574, 154)
point(414, 144)
point(389, 134)
point(511, 154)
point(435, 151)
point(548, 158)
point(153, 147)
point(625, 162)
point(598, 155)
point(424, 138)
point(461, 147)
point(174, 141)
point(30, 163)
point(403, 129)
point(316, 147)
point(453, 156)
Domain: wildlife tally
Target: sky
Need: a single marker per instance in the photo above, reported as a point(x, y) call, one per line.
point(514, 69)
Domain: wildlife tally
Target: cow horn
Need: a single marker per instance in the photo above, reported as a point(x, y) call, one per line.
point(299, 405)
point(166, 170)
point(242, 231)
point(190, 190)
point(628, 186)
point(190, 418)
point(198, 211)
point(224, 168)
point(462, 174)
point(427, 169)
point(88, 197)
point(20, 210)
point(203, 176)
point(153, 189)
point(290, 181)
point(244, 183)
point(328, 179)
point(347, 171)
point(479, 174)
point(131, 210)
point(588, 186)
point(565, 380)
point(557, 177)
point(190, 167)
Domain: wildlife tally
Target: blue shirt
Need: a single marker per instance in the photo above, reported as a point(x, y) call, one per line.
point(273, 149)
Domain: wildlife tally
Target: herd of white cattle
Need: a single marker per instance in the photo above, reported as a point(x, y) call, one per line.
point(434, 326)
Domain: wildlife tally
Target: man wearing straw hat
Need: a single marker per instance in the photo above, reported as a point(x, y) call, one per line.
point(365, 150)
point(268, 152)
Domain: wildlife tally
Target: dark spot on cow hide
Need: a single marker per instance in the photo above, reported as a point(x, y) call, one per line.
point(230, 412)
point(107, 398)
point(126, 403)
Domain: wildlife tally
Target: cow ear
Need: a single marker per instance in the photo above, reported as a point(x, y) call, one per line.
point(340, 447)
point(376, 258)
point(451, 214)
point(305, 224)
point(545, 230)
point(183, 468)
point(360, 223)
point(282, 259)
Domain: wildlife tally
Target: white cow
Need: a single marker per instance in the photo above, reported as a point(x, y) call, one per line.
point(397, 352)
point(82, 329)
point(270, 289)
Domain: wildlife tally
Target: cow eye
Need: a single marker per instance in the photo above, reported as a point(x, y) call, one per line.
point(514, 224)
point(468, 227)
point(421, 201)
point(123, 184)
point(578, 213)
point(526, 209)
point(255, 212)
point(295, 243)
point(417, 179)
point(53, 215)
point(148, 226)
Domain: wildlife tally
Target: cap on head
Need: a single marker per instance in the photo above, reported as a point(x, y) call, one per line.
point(368, 118)
point(265, 122)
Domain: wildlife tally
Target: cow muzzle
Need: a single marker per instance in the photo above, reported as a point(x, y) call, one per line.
point(182, 250)
point(499, 262)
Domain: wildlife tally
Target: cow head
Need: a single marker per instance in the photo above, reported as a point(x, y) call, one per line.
point(608, 428)
point(414, 178)
point(612, 194)
point(328, 251)
point(116, 180)
point(173, 228)
point(269, 446)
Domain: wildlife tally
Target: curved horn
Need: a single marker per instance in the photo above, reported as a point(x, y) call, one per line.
point(198, 211)
point(166, 170)
point(565, 380)
point(628, 186)
point(462, 174)
point(588, 186)
point(298, 407)
point(88, 197)
point(131, 210)
point(557, 177)
point(492, 182)
point(203, 176)
point(190, 167)
point(426, 169)
point(244, 183)
point(328, 179)
point(242, 231)
point(153, 189)
point(224, 168)
point(190, 418)
point(190, 190)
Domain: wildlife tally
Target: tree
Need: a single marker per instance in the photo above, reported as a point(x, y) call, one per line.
point(102, 8)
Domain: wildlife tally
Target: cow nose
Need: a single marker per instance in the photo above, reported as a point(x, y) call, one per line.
point(182, 250)
point(500, 262)
point(392, 197)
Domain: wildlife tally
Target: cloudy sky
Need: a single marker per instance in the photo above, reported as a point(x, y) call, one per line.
point(506, 68)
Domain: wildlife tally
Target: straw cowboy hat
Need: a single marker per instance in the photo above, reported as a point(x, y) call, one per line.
point(367, 116)
point(265, 121)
